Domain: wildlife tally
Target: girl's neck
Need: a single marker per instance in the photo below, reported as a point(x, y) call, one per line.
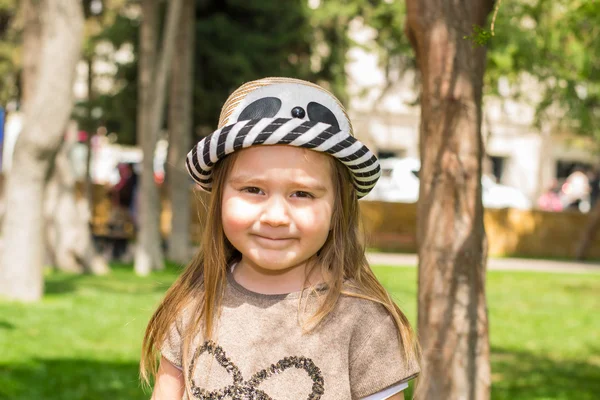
point(264, 281)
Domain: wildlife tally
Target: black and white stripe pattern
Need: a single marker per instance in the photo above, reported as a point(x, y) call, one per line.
point(316, 136)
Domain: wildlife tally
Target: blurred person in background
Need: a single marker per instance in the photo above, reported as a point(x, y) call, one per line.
point(576, 191)
point(550, 200)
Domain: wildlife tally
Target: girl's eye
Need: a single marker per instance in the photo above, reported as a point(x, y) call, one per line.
point(252, 190)
point(303, 195)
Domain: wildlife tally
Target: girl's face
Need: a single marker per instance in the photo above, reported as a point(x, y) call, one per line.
point(277, 205)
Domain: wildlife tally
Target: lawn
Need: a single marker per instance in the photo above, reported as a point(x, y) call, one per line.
point(83, 340)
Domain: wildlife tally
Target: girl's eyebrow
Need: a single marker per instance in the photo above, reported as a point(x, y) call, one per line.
point(251, 180)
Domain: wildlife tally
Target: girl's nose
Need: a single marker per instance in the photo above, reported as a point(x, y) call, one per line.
point(275, 212)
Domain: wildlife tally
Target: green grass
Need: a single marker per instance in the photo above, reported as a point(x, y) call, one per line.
point(83, 340)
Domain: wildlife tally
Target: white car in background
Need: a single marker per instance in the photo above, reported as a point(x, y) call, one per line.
point(399, 182)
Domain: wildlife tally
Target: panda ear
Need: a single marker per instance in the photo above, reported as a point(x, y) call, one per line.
point(267, 107)
point(319, 113)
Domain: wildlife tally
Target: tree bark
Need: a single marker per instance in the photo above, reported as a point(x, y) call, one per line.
point(32, 39)
point(180, 128)
point(148, 255)
point(452, 316)
point(148, 197)
point(90, 130)
point(45, 118)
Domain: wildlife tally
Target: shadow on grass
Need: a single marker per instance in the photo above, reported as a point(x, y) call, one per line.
point(6, 325)
point(516, 375)
point(521, 375)
point(63, 284)
point(70, 379)
point(122, 279)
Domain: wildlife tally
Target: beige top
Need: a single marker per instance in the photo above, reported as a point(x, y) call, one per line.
point(260, 351)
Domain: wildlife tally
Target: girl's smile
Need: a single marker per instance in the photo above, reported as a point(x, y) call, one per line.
point(274, 241)
point(276, 211)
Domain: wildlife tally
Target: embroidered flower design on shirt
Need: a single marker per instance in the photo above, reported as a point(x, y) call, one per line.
point(248, 390)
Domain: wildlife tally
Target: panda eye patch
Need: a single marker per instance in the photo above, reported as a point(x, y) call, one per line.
point(319, 113)
point(267, 107)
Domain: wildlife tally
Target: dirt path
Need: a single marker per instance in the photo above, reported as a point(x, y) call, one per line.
point(501, 264)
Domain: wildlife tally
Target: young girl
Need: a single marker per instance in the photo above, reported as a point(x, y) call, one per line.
point(280, 302)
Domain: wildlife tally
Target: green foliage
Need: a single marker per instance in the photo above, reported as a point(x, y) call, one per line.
point(238, 41)
point(83, 340)
point(117, 110)
point(558, 43)
point(391, 44)
point(480, 36)
point(330, 24)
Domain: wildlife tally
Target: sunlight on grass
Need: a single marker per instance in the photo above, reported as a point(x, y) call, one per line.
point(83, 340)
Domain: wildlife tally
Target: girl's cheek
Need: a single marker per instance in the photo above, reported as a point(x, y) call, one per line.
point(314, 219)
point(238, 213)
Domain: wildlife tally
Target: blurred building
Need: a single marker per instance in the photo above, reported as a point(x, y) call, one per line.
point(386, 116)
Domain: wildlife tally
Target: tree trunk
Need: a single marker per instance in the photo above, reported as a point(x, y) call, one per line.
point(45, 118)
point(452, 317)
point(148, 194)
point(180, 127)
point(32, 36)
point(69, 239)
point(589, 232)
point(148, 255)
point(90, 129)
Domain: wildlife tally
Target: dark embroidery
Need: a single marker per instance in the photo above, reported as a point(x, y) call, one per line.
point(267, 107)
point(248, 390)
point(319, 113)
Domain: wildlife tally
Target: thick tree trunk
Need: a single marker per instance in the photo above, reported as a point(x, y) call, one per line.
point(452, 321)
point(180, 127)
point(148, 255)
point(589, 232)
point(45, 119)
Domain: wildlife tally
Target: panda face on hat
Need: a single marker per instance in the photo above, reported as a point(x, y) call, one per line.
point(291, 100)
point(275, 111)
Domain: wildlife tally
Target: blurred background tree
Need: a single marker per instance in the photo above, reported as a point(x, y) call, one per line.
point(47, 104)
point(180, 118)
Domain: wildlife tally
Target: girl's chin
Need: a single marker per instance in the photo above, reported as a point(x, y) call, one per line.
point(277, 263)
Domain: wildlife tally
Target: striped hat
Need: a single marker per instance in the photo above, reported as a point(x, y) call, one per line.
point(273, 111)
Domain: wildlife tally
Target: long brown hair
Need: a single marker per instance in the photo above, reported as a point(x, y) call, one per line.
point(200, 287)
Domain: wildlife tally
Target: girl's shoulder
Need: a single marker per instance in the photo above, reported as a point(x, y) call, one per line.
point(184, 318)
point(363, 308)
